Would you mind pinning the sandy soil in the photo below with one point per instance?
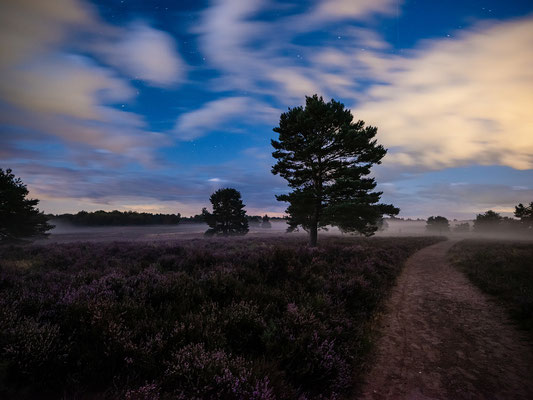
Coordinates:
(444, 339)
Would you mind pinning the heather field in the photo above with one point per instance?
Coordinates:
(503, 269)
(248, 318)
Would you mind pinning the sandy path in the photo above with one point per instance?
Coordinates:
(444, 339)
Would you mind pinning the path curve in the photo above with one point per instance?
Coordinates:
(444, 339)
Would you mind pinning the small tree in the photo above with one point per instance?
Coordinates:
(326, 157)
(525, 213)
(18, 216)
(489, 221)
(438, 224)
(229, 216)
(266, 222)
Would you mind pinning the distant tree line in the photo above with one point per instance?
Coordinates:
(492, 221)
(253, 220)
(118, 218)
(489, 222)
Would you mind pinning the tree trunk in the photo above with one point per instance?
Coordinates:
(313, 229)
(313, 234)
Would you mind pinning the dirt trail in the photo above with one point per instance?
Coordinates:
(444, 339)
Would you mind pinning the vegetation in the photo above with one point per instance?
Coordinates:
(229, 216)
(438, 224)
(461, 228)
(502, 269)
(118, 218)
(488, 221)
(326, 158)
(492, 222)
(19, 217)
(525, 214)
(203, 319)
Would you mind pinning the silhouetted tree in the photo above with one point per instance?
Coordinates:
(525, 213)
(437, 224)
(18, 216)
(266, 222)
(325, 156)
(489, 221)
(229, 216)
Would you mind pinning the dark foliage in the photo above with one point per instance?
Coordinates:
(229, 216)
(488, 221)
(326, 158)
(492, 222)
(204, 319)
(502, 269)
(118, 218)
(438, 224)
(19, 217)
(525, 214)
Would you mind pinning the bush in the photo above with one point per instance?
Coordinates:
(503, 270)
(255, 318)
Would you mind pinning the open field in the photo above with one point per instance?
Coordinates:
(255, 318)
(503, 269)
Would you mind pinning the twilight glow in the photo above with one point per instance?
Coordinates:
(151, 106)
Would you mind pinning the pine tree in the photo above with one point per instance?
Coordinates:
(229, 216)
(18, 216)
(326, 158)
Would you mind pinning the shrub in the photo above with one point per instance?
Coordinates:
(248, 318)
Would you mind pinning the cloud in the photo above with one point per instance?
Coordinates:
(449, 102)
(30, 27)
(261, 57)
(61, 93)
(454, 102)
(334, 10)
(217, 115)
(355, 9)
(146, 54)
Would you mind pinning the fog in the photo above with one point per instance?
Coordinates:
(64, 233)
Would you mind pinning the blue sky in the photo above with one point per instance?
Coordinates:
(153, 105)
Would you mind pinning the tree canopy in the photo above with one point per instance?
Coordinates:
(488, 221)
(326, 157)
(525, 213)
(19, 217)
(438, 224)
(229, 216)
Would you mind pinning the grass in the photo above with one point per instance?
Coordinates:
(503, 270)
(243, 318)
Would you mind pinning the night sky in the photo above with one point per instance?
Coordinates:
(153, 105)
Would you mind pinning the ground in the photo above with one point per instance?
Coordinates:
(441, 338)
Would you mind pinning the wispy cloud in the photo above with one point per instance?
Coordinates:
(463, 99)
(145, 53)
(222, 115)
